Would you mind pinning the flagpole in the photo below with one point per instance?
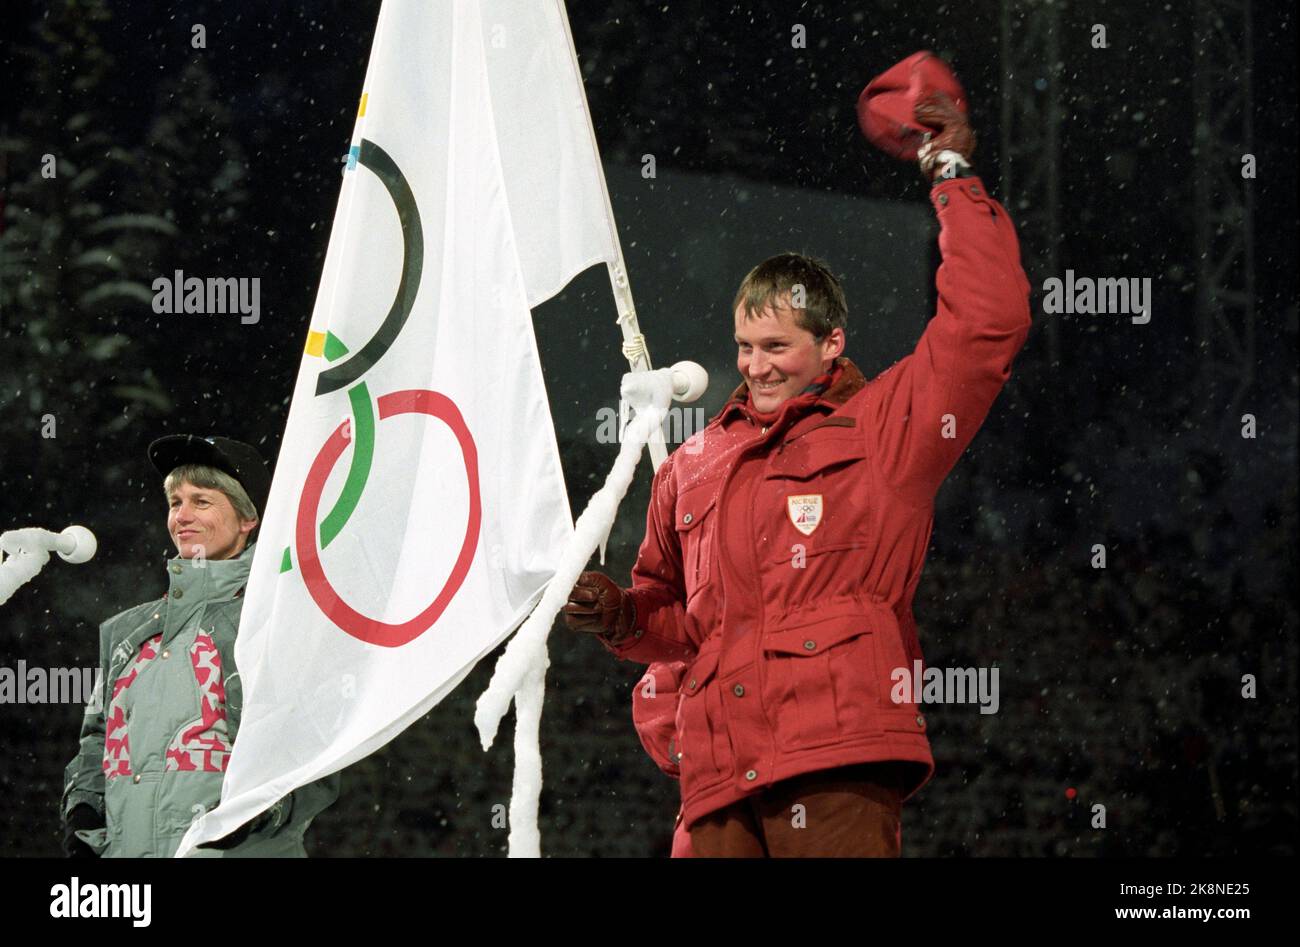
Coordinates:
(634, 344)
(520, 674)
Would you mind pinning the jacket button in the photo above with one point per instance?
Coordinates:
(752, 775)
(166, 654)
(691, 685)
(810, 646)
(943, 198)
(155, 615)
(135, 778)
(739, 690)
(176, 568)
(638, 633)
(679, 756)
(920, 721)
(687, 519)
(974, 189)
(177, 593)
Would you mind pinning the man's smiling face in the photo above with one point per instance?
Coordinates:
(777, 357)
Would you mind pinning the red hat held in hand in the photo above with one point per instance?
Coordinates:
(887, 106)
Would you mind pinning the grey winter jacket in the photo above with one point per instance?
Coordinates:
(158, 732)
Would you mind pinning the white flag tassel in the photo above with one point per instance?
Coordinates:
(521, 670)
(418, 508)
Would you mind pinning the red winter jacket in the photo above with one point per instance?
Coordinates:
(654, 713)
(781, 561)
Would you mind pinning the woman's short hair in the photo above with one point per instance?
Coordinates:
(210, 478)
(777, 277)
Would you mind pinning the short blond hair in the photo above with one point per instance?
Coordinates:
(210, 478)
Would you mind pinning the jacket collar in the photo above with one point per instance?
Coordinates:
(190, 586)
(208, 580)
(845, 382)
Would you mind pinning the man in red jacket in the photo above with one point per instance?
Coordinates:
(785, 541)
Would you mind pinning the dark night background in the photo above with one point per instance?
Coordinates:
(1123, 684)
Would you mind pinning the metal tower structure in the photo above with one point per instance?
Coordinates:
(1224, 202)
(1030, 146)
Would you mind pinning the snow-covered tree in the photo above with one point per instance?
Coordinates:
(74, 252)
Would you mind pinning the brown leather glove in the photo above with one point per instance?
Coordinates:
(949, 150)
(599, 607)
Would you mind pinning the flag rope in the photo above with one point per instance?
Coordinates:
(521, 671)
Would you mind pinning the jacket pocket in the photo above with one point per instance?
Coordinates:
(131, 809)
(184, 796)
(820, 682)
(815, 454)
(703, 745)
(696, 527)
(817, 493)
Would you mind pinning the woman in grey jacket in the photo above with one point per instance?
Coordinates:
(157, 736)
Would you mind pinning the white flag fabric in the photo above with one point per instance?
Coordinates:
(418, 504)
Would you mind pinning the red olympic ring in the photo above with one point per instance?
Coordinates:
(343, 615)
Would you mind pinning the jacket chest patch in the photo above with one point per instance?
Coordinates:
(805, 511)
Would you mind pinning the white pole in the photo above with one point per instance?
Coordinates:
(634, 347)
(520, 674)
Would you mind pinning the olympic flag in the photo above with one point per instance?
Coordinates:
(418, 504)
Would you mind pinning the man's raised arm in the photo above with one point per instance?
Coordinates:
(929, 405)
